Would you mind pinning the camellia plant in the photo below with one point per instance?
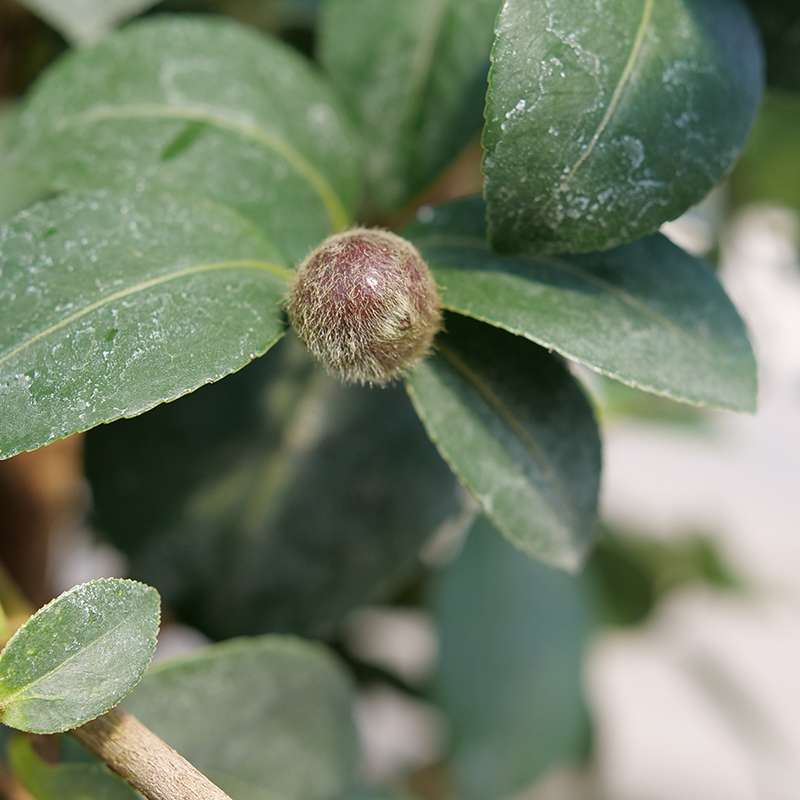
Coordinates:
(180, 195)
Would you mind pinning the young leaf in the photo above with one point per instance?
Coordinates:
(512, 635)
(515, 427)
(113, 304)
(83, 21)
(647, 314)
(262, 718)
(414, 73)
(79, 656)
(202, 104)
(310, 497)
(64, 781)
(605, 120)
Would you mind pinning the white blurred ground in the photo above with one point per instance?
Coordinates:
(704, 702)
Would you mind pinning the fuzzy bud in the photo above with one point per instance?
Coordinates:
(365, 304)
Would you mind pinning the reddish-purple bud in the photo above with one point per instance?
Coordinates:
(365, 304)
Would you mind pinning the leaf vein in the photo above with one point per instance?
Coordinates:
(616, 97)
(275, 269)
(339, 217)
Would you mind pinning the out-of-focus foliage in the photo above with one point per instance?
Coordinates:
(770, 169)
(264, 718)
(779, 21)
(509, 678)
(81, 781)
(275, 500)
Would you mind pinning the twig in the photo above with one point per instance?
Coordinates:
(146, 762)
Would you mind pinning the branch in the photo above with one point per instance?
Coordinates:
(146, 762)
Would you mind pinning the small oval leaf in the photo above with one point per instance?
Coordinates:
(606, 119)
(79, 656)
(518, 431)
(113, 304)
(647, 314)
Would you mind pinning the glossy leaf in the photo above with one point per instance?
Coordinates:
(79, 656)
(281, 711)
(83, 21)
(512, 634)
(516, 428)
(45, 781)
(203, 104)
(309, 497)
(647, 314)
(113, 304)
(414, 75)
(605, 120)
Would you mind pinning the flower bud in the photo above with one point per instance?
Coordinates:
(365, 304)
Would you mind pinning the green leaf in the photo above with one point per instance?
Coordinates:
(515, 427)
(82, 21)
(265, 719)
(512, 636)
(414, 75)
(202, 104)
(647, 314)
(79, 656)
(309, 497)
(606, 120)
(113, 304)
(64, 781)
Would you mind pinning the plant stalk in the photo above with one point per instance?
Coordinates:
(146, 762)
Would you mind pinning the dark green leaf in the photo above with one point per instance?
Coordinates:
(265, 719)
(83, 21)
(113, 304)
(308, 497)
(64, 781)
(414, 74)
(272, 144)
(647, 314)
(605, 120)
(516, 428)
(79, 656)
(509, 678)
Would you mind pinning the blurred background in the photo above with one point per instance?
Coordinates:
(669, 669)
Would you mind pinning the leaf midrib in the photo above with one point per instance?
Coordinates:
(275, 269)
(560, 264)
(5, 701)
(495, 404)
(337, 214)
(616, 97)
